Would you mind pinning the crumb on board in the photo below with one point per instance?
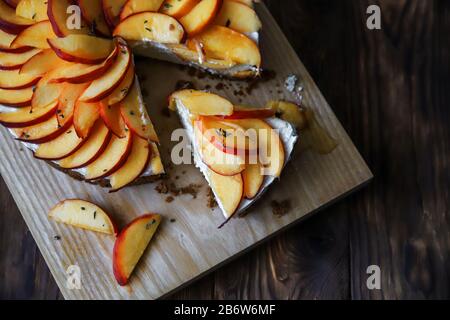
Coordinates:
(173, 220)
(57, 237)
(280, 208)
(170, 199)
(212, 203)
(191, 189)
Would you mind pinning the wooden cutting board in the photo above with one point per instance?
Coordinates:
(190, 246)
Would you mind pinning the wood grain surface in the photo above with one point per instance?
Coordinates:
(389, 89)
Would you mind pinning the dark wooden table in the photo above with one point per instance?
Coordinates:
(391, 90)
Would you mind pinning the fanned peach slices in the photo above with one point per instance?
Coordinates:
(239, 150)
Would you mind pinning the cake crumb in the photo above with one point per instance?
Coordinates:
(170, 199)
(162, 188)
(173, 220)
(212, 203)
(280, 208)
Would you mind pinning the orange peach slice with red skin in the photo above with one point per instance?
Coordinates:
(5, 43)
(201, 103)
(82, 48)
(63, 146)
(131, 244)
(85, 215)
(57, 14)
(111, 10)
(239, 17)
(229, 190)
(25, 117)
(112, 119)
(42, 132)
(12, 61)
(10, 22)
(46, 92)
(35, 36)
(91, 149)
(67, 99)
(112, 158)
(85, 115)
(136, 163)
(17, 97)
(202, 15)
(109, 81)
(135, 6)
(178, 8)
(253, 180)
(122, 89)
(35, 10)
(42, 63)
(92, 12)
(150, 26)
(12, 79)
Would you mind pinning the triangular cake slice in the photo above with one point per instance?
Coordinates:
(241, 151)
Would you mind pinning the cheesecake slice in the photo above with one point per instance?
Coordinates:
(241, 151)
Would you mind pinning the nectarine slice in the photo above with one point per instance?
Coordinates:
(11, 61)
(46, 92)
(229, 191)
(41, 63)
(253, 180)
(67, 99)
(226, 44)
(59, 18)
(84, 117)
(201, 103)
(178, 8)
(42, 132)
(82, 48)
(5, 43)
(131, 244)
(200, 16)
(35, 36)
(25, 117)
(111, 10)
(12, 79)
(63, 146)
(35, 10)
(16, 97)
(91, 149)
(10, 22)
(135, 115)
(122, 89)
(112, 119)
(134, 166)
(150, 26)
(250, 113)
(109, 81)
(111, 159)
(92, 12)
(85, 215)
(239, 17)
(135, 6)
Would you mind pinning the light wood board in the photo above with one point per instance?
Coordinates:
(192, 245)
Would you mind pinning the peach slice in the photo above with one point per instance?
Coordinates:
(253, 180)
(35, 36)
(63, 146)
(150, 26)
(35, 10)
(66, 101)
(82, 73)
(122, 89)
(11, 61)
(109, 81)
(10, 22)
(112, 119)
(201, 103)
(131, 244)
(25, 117)
(94, 146)
(85, 215)
(41, 63)
(5, 43)
(46, 92)
(42, 132)
(133, 112)
(226, 44)
(200, 16)
(239, 17)
(135, 6)
(112, 158)
(82, 48)
(12, 79)
(58, 16)
(134, 166)
(218, 161)
(178, 8)
(111, 10)
(16, 98)
(229, 191)
(85, 116)
(250, 113)
(92, 12)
